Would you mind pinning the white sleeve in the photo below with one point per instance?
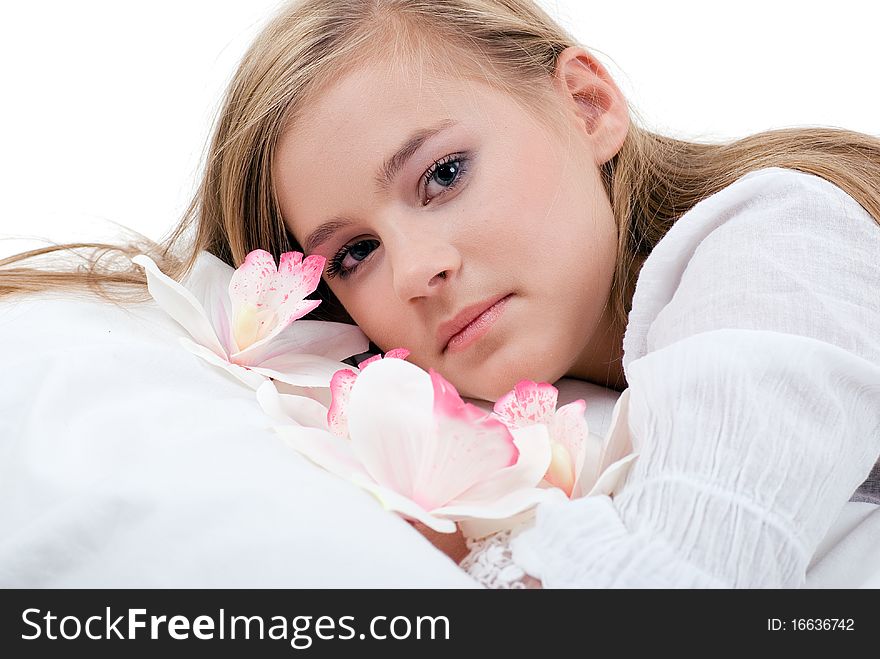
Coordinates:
(755, 413)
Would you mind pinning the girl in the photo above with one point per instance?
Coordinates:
(485, 198)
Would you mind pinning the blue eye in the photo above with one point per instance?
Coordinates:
(447, 172)
(347, 259)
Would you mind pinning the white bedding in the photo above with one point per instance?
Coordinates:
(126, 461)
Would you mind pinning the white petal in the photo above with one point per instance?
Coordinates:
(475, 527)
(314, 337)
(208, 281)
(302, 370)
(613, 476)
(507, 506)
(287, 409)
(394, 502)
(181, 305)
(325, 450)
(320, 394)
(390, 422)
(618, 441)
(591, 467)
(250, 377)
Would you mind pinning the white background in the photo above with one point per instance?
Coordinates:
(106, 106)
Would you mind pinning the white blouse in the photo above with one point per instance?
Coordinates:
(752, 356)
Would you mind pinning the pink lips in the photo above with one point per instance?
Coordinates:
(471, 323)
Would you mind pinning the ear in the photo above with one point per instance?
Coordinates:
(597, 105)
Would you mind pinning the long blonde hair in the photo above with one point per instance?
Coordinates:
(509, 44)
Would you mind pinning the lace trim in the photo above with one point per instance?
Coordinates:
(490, 562)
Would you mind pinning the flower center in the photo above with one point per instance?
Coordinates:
(561, 470)
(252, 324)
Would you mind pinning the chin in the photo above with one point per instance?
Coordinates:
(491, 384)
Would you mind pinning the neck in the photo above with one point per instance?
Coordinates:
(601, 361)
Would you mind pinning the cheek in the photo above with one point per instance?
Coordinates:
(375, 309)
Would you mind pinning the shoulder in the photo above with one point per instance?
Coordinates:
(777, 250)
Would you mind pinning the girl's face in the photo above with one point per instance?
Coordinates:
(456, 225)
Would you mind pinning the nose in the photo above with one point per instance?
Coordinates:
(423, 265)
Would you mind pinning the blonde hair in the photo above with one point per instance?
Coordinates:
(512, 45)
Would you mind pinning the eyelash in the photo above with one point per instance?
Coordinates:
(335, 267)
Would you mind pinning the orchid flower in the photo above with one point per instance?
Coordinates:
(242, 320)
(340, 390)
(580, 459)
(420, 449)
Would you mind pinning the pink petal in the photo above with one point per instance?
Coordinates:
(257, 284)
(252, 278)
(429, 457)
(396, 353)
(448, 404)
(296, 278)
(533, 444)
(340, 389)
(528, 403)
(369, 361)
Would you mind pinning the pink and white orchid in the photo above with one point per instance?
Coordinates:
(582, 463)
(340, 390)
(242, 320)
(420, 449)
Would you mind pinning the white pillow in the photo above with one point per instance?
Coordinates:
(125, 461)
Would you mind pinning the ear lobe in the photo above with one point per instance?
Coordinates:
(598, 105)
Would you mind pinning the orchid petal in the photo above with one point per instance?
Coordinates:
(181, 305)
(340, 389)
(264, 326)
(302, 370)
(390, 423)
(337, 456)
(449, 406)
(529, 402)
(266, 298)
(481, 527)
(395, 353)
(208, 281)
(502, 508)
(396, 502)
(470, 445)
(325, 450)
(533, 444)
(319, 394)
(314, 337)
(590, 469)
(618, 442)
(613, 477)
(287, 409)
(249, 376)
(569, 430)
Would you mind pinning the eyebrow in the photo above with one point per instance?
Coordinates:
(384, 178)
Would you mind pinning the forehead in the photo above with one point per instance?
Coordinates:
(378, 105)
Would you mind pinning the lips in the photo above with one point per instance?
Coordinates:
(470, 323)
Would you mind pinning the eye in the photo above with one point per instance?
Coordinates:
(347, 259)
(447, 173)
